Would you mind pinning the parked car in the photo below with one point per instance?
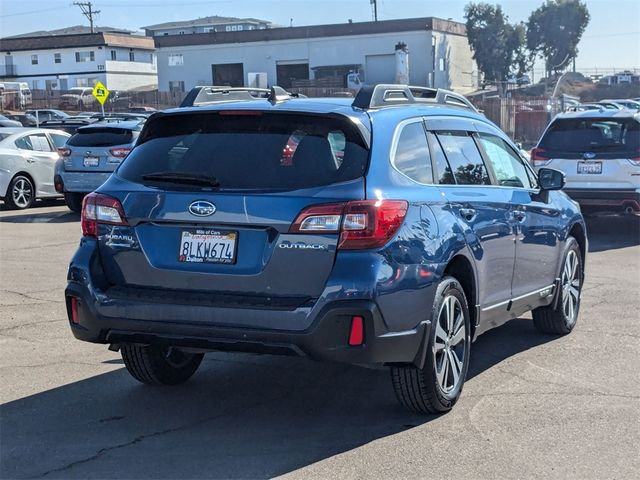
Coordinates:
(608, 105)
(626, 103)
(599, 152)
(24, 119)
(403, 226)
(581, 107)
(42, 115)
(77, 98)
(89, 157)
(69, 125)
(27, 163)
(21, 93)
(7, 122)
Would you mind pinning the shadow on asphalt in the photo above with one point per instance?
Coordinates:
(241, 416)
(34, 216)
(613, 232)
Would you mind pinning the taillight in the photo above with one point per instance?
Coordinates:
(635, 160)
(371, 223)
(64, 151)
(539, 157)
(98, 208)
(119, 152)
(362, 224)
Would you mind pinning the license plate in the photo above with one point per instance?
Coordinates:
(590, 168)
(205, 245)
(91, 161)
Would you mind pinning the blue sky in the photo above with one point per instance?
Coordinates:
(612, 39)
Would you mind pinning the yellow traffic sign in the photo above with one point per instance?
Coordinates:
(100, 92)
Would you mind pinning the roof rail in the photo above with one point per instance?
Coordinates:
(203, 95)
(386, 95)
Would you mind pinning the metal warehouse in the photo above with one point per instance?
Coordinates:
(439, 55)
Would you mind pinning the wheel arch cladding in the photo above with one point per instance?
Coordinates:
(460, 267)
(578, 232)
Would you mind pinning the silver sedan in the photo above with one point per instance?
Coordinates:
(27, 164)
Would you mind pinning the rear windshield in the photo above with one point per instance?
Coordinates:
(580, 135)
(250, 151)
(102, 137)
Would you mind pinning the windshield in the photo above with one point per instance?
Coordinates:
(592, 134)
(250, 150)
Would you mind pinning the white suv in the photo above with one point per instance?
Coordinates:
(599, 152)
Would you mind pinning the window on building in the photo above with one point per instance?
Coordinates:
(441, 64)
(176, 60)
(85, 56)
(57, 58)
(82, 82)
(412, 154)
(34, 59)
(227, 28)
(208, 29)
(176, 86)
(240, 28)
(132, 56)
(113, 55)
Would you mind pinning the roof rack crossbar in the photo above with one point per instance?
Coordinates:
(385, 95)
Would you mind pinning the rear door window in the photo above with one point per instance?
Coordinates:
(507, 166)
(249, 150)
(464, 157)
(598, 135)
(444, 175)
(101, 137)
(411, 156)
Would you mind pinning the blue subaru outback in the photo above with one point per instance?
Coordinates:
(387, 230)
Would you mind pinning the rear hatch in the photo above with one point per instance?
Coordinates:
(210, 198)
(599, 152)
(98, 148)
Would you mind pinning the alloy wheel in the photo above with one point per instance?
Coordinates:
(22, 192)
(571, 287)
(450, 345)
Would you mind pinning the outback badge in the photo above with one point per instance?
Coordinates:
(202, 208)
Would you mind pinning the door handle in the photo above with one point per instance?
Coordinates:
(467, 213)
(31, 160)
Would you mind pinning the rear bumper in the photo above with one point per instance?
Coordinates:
(105, 318)
(82, 182)
(619, 200)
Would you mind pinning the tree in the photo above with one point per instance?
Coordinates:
(554, 30)
(498, 47)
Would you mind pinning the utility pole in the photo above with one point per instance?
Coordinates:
(375, 10)
(87, 11)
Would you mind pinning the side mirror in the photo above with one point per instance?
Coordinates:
(550, 179)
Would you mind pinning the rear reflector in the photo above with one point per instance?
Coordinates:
(74, 309)
(356, 334)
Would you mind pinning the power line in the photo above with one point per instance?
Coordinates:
(87, 11)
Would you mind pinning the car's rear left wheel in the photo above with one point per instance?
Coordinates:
(74, 201)
(436, 387)
(159, 365)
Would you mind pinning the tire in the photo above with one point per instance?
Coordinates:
(435, 388)
(156, 365)
(21, 193)
(561, 316)
(74, 201)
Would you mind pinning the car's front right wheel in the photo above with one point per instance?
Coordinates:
(159, 365)
(436, 387)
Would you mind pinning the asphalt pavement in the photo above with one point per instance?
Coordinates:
(533, 406)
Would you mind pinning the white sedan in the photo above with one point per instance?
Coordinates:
(27, 164)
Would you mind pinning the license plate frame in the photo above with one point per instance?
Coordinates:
(589, 168)
(213, 237)
(91, 161)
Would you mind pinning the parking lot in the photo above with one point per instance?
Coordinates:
(533, 405)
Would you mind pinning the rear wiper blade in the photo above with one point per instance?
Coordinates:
(182, 178)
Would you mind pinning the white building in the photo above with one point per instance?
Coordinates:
(439, 54)
(119, 60)
(206, 25)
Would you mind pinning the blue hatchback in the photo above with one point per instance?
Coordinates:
(390, 230)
